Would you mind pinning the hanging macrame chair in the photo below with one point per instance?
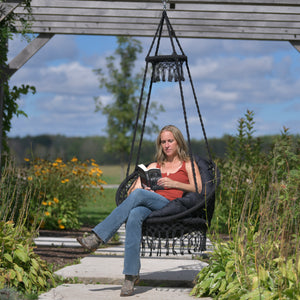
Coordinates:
(184, 221)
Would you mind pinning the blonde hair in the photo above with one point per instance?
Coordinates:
(182, 148)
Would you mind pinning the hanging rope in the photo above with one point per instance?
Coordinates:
(166, 68)
(191, 223)
(165, 5)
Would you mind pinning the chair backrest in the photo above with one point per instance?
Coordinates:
(122, 191)
(192, 203)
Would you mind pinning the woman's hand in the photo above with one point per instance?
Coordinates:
(167, 182)
(147, 188)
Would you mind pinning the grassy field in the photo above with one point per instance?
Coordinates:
(98, 207)
(112, 174)
(95, 210)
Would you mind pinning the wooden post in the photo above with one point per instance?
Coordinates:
(3, 78)
(1, 117)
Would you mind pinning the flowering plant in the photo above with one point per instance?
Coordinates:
(63, 189)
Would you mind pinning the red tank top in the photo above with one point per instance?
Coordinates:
(181, 176)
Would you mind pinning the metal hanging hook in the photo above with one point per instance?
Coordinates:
(165, 4)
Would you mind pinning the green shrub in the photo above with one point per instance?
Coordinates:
(63, 189)
(20, 267)
(259, 198)
(244, 174)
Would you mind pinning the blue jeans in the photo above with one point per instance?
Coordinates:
(133, 210)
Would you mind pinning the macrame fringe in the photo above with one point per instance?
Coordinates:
(188, 243)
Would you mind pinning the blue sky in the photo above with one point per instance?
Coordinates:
(230, 77)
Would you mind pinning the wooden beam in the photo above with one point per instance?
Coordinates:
(28, 52)
(231, 19)
(7, 7)
(256, 2)
(296, 44)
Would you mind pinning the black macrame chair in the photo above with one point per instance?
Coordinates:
(184, 220)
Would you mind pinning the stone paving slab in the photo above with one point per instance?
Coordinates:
(100, 276)
(154, 271)
(112, 292)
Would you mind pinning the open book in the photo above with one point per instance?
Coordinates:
(149, 177)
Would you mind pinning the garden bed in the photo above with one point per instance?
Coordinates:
(62, 256)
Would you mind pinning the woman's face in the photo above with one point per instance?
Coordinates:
(168, 143)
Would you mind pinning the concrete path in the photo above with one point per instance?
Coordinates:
(99, 276)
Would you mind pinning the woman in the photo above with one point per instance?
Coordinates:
(177, 177)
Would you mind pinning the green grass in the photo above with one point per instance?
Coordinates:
(99, 206)
(97, 209)
(113, 174)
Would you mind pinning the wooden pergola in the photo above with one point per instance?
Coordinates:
(277, 20)
(218, 19)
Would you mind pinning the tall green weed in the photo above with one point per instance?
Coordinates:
(20, 267)
(260, 207)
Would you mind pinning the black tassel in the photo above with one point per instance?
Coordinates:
(143, 247)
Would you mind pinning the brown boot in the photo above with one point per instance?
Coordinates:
(91, 242)
(128, 285)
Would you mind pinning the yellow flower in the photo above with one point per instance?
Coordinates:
(55, 200)
(58, 160)
(94, 182)
(61, 226)
(74, 172)
(44, 203)
(65, 180)
(26, 159)
(47, 213)
(55, 164)
(30, 178)
(74, 159)
(49, 203)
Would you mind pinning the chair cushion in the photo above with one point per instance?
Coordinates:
(190, 199)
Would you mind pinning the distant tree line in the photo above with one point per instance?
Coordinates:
(51, 147)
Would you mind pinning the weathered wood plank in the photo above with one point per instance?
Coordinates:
(28, 52)
(94, 21)
(218, 22)
(296, 44)
(257, 2)
(251, 19)
(172, 14)
(181, 27)
(182, 34)
(7, 7)
(59, 6)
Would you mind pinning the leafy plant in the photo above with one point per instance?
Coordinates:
(244, 174)
(262, 201)
(9, 96)
(20, 267)
(63, 189)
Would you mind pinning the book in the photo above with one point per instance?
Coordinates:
(149, 177)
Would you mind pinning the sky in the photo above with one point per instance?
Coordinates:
(230, 77)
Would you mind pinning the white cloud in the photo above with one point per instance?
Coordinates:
(67, 78)
(229, 78)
